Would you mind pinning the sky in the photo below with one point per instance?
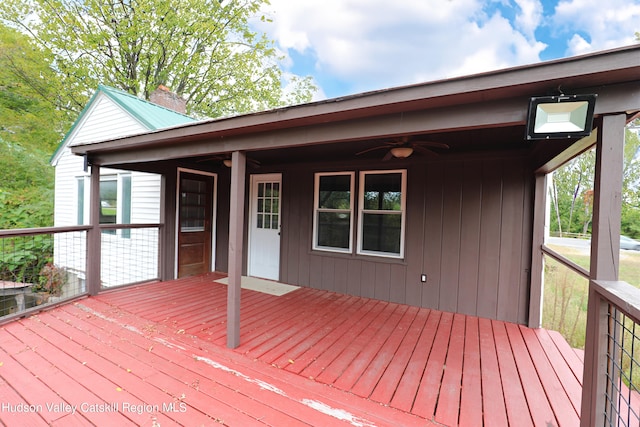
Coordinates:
(353, 46)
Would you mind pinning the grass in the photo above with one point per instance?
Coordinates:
(565, 304)
(565, 293)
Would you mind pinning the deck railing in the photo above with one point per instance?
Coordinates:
(35, 267)
(129, 254)
(614, 398)
(43, 266)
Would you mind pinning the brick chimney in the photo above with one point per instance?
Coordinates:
(165, 98)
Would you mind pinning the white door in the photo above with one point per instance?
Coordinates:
(264, 228)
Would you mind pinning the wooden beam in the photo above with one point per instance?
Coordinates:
(574, 150)
(94, 244)
(605, 255)
(236, 232)
(537, 259)
(168, 230)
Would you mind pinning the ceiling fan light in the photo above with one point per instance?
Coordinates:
(401, 152)
(227, 162)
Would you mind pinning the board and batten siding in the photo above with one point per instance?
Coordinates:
(468, 228)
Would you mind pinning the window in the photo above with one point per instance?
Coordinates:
(108, 200)
(333, 212)
(193, 205)
(268, 209)
(115, 201)
(80, 200)
(381, 213)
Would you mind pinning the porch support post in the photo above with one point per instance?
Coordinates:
(94, 249)
(537, 260)
(167, 231)
(605, 256)
(236, 233)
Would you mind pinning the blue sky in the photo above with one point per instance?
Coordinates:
(352, 46)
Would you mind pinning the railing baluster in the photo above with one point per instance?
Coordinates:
(621, 329)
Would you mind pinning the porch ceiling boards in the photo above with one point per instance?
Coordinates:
(309, 357)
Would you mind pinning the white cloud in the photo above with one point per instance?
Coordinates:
(529, 17)
(591, 25)
(367, 45)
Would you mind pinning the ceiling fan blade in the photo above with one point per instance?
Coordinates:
(372, 149)
(432, 144)
(387, 156)
(425, 151)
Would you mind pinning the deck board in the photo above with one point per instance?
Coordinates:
(471, 394)
(493, 401)
(537, 401)
(309, 357)
(513, 392)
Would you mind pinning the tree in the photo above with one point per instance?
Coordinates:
(570, 194)
(30, 129)
(572, 191)
(204, 50)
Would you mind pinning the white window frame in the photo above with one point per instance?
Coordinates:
(118, 177)
(317, 210)
(362, 211)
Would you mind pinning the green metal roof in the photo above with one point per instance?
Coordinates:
(150, 115)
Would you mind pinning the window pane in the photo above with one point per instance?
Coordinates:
(126, 204)
(381, 232)
(108, 201)
(383, 191)
(335, 192)
(333, 229)
(192, 205)
(80, 207)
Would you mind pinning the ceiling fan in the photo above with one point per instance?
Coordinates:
(403, 148)
(226, 160)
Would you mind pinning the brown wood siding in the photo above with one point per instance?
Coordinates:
(468, 228)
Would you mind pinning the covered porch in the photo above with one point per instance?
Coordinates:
(456, 228)
(155, 354)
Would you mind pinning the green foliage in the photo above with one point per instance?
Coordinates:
(204, 50)
(23, 258)
(30, 129)
(572, 192)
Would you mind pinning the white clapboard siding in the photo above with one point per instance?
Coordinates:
(124, 260)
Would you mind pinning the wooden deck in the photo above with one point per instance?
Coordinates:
(155, 355)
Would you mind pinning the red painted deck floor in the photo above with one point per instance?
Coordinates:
(155, 355)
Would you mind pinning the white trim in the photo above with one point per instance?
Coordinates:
(252, 180)
(402, 212)
(214, 216)
(316, 210)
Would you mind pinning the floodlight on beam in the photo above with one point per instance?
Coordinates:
(562, 116)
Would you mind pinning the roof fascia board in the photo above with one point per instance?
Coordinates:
(613, 99)
(500, 113)
(525, 81)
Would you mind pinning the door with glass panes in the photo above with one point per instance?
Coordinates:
(195, 217)
(264, 228)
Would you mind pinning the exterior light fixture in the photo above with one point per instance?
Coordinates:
(227, 162)
(401, 152)
(561, 116)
